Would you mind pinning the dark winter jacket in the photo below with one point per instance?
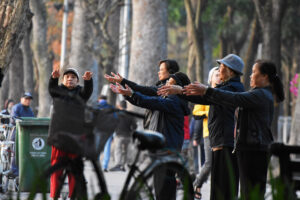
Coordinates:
(255, 116)
(221, 120)
(149, 91)
(172, 110)
(68, 112)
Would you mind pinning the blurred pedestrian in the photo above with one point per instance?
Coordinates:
(9, 103)
(103, 104)
(213, 80)
(126, 125)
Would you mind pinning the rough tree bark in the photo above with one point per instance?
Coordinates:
(81, 56)
(41, 55)
(270, 14)
(295, 128)
(4, 90)
(195, 35)
(15, 17)
(251, 52)
(27, 63)
(16, 77)
(149, 40)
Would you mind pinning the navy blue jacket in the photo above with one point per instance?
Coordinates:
(172, 110)
(221, 119)
(149, 91)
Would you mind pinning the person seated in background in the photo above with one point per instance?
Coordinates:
(126, 126)
(21, 109)
(9, 103)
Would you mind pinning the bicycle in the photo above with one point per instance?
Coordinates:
(139, 183)
(6, 155)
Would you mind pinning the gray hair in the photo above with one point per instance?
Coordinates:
(211, 72)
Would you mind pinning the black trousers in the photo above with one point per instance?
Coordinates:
(253, 167)
(224, 175)
(165, 184)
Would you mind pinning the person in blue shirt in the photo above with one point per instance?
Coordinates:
(21, 109)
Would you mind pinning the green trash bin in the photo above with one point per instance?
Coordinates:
(32, 152)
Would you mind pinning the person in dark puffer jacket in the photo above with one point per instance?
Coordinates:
(62, 121)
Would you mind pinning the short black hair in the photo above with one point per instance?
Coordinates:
(181, 78)
(171, 65)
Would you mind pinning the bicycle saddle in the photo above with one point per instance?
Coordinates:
(149, 140)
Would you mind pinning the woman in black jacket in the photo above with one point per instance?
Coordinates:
(253, 131)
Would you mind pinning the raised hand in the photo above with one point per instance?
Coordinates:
(195, 88)
(114, 78)
(169, 89)
(55, 73)
(119, 89)
(87, 75)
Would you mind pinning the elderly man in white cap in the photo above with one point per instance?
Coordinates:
(221, 123)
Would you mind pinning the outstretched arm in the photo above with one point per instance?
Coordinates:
(117, 78)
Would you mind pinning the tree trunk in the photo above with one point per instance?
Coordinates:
(270, 14)
(149, 40)
(295, 128)
(27, 63)
(81, 56)
(4, 90)
(15, 17)
(41, 55)
(251, 52)
(16, 77)
(196, 34)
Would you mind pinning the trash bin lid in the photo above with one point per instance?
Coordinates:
(33, 121)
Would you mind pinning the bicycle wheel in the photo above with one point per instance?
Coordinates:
(145, 186)
(80, 190)
(65, 166)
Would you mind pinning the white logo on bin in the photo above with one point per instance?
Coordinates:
(38, 143)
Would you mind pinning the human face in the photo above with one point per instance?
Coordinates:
(70, 80)
(163, 72)
(215, 79)
(257, 79)
(225, 73)
(25, 101)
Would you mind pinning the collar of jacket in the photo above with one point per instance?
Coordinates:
(63, 86)
(162, 82)
(233, 79)
(267, 88)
